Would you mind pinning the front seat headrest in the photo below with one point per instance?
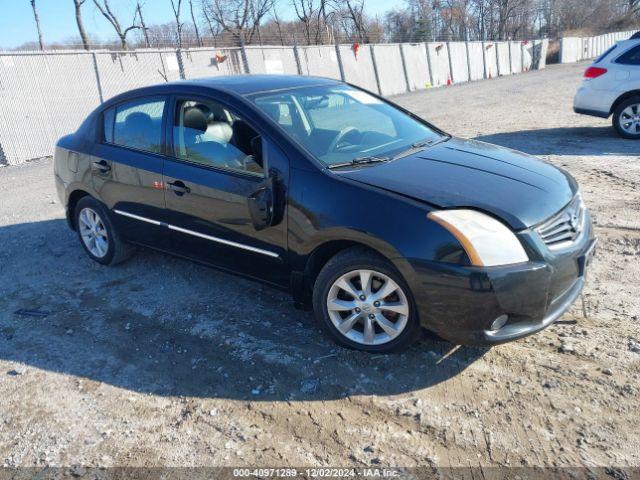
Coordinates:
(195, 119)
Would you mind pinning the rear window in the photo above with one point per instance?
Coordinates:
(136, 124)
(631, 57)
(602, 57)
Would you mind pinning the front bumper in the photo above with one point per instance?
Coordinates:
(461, 303)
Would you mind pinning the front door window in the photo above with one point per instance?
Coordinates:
(207, 134)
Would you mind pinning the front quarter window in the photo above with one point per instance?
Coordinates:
(339, 123)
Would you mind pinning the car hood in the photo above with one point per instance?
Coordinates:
(514, 186)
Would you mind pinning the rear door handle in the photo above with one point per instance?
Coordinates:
(178, 188)
(102, 166)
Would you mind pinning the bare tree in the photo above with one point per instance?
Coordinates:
(306, 11)
(106, 11)
(179, 25)
(241, 18)
(355, 9)
(276, 20)
(83, 34)
(37, 19)
(195, 24)
(214, 31)
(143, 26)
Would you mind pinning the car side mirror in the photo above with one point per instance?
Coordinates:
(261, 205)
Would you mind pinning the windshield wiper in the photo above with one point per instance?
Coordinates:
(421, 145)
(359, 161)
(424, 143)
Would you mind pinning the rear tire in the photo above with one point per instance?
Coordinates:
(379, 316)
(626, 118)
(97, 234)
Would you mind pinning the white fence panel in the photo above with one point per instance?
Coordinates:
(574, 49)
(490, 59)
(504, 62)
(458, 61)
(539, 53)
(207, 62)
(438, 55)
(476, 60)
(36, 111)
(358, 66)
(273, 60)
(527, 56)
(515, 52)
(122, 71)
(390, 69)
(570, 49)
(417, 64)
(321, 61)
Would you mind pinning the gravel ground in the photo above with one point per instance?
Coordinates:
(161, 362)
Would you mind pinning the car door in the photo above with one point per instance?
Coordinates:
(224, 191)
(127, 163)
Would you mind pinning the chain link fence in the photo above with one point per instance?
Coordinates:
(45, 95)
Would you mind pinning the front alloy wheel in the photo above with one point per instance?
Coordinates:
(363, 302)
(367, 307)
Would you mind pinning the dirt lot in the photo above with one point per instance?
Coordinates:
(164, 362)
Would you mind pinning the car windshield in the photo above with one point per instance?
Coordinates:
(339, 124)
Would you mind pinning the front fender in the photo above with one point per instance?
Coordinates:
(325, 208)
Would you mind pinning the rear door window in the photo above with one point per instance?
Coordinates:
(136, 124)
(631, 57)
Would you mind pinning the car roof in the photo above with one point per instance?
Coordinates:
(235, 84)
(250, 84)
(617, 49)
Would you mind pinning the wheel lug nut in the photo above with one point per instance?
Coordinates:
(357, 310)
(363, 298)
(372, 316)
(376, 304)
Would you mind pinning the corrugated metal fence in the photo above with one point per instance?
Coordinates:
(45, 95)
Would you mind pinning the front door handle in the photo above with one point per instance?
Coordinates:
(102, 166)
(178, 188)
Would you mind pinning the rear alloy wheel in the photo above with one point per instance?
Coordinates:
(364, 303)
(93, 232)
(97, 233)
(626, 118)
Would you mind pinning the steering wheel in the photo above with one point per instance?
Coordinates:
(341, 136)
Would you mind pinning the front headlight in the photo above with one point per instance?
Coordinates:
(487, 241)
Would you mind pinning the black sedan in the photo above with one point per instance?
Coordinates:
(372, 216)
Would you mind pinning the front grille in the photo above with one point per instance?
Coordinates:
(561, 230)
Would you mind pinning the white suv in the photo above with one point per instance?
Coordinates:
(612, 86)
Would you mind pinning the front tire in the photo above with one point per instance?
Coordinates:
(626, 118)
(363, 303)
(97, 233)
